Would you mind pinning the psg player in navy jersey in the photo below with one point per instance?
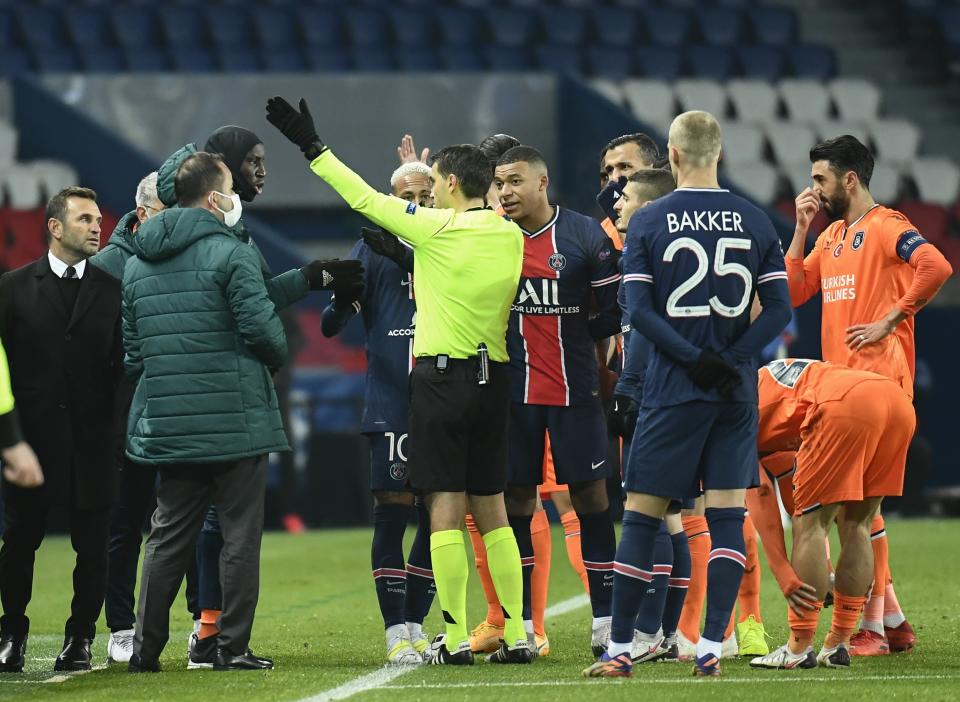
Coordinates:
(569, 268)
(695, 261)
(388, 310)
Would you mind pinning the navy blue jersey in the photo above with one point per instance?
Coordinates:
(389, 317)
(636, 353)
(569, 271)
(695, 259)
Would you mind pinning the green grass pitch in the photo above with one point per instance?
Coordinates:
(318, 618)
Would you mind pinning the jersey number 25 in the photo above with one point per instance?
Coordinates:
(721, 267)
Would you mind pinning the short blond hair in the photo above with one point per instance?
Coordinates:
(697, 135)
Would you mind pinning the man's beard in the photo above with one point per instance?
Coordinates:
(836, 206)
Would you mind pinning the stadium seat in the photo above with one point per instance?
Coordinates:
(372, 58)
(413, 28)
(232, 29)
(742, 143)
(56, 58)
(23, 229)
(455, 58)
(148, 59)
(279, 59)
(895, 140)
(326, 59)
(776, 26)
(754, 101)
(183, 28)
(652, 101)
(40, 27)
(807, 61)
(563, 26)
(506, 58)
(720, 26)
(790, 142)
(610, 62)
(667, 27)
(566, 60)
(761, 62)
(458, 26)
(856, 99)
(274, 28)
(14, 62)
(53, 176)
(656, 62)
(885, 182)
(134, 26)
(9, 143)
(931, 220)
(833, 128)
(88, 26)
(22, 188)
(102, 59)
(8, 31)
(697, 94)
(711, 62)
(511, 27)
(756, 180)
(366, 27)
(239, 60)
(321, 27)
(806, 100)
(615, 26)
(797, 174)
(610, 89)
(199, 60)
(417, 59)
(937, 179)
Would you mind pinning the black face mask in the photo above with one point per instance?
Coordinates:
(233, 144)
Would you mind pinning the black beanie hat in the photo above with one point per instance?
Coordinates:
(233, 144)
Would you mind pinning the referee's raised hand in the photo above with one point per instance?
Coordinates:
(296, 125)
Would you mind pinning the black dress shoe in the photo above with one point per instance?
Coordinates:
(146, 665)
(75, 654)
(248, 661)
(12, 652)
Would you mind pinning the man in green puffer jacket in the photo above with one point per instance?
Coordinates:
(201, 335)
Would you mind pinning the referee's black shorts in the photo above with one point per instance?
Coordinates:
(458, 428)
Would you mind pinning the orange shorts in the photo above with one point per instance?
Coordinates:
(854, 448)
(549, 484)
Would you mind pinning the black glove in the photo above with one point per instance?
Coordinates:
(345, 296)
(622, 417)
(385, 244)
(712, 371)
(333, 275)
(296, 126)
(609, 195)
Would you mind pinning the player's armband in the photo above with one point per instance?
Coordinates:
(908, 243)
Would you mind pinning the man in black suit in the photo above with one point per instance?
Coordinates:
(60, 325)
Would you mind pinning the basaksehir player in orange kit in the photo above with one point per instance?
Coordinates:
(875, 271)
(851, 430)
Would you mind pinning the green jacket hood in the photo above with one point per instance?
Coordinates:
(123, 233)
(167, 173)
(174, 230)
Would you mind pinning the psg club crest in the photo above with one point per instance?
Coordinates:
(398, 471)
(857, 241)
(837, 251)
(557, 262)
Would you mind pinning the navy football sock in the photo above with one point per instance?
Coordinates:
(386, 557)
(632, 572)
(650, 617)
(724, 568)
(421, 588)
(598, 546)
(209, 545)
(679, 582)
(521, 531)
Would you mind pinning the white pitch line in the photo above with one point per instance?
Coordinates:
(380, 677)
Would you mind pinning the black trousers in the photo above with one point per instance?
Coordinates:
(184, 496)
(136, 503)
(25, 526)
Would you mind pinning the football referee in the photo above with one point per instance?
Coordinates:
(467, 264)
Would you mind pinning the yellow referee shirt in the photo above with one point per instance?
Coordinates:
(466, 268)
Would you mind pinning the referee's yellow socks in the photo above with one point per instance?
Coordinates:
(503, 559)
(450, 574)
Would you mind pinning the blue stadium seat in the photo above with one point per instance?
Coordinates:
(7, 28)
(559, 59)
(321, 27)
(231, 29)
(563, 26)
(102, 59)
(511, 26)
(148, 58)
(274, 28)
(506, 58)
(765, 62)
(283, 59)
(88, 26)
(615, 26)
(712, 62)
(412, 27)
(667, 27)
(327, 59)
(458, 26)
(134, 27)
(417, 59)
(659, 62)
(56, 58)
(184, 27)
(720, 27)
(811, 61)
(239, 60)
(738, 4)
(633, 4)
(613, 62)
(193, 60)
(776, 26)
(14, 62)
(366, 27)
(949, 20)
(373, 58)
(460, 58)
(40, 27)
